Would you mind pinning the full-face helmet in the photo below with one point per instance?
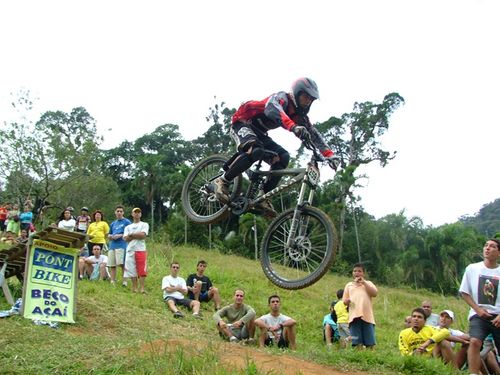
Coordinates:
(304, 85)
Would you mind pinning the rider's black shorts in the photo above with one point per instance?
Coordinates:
(243, 135)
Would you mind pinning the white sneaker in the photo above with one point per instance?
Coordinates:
(233, 339)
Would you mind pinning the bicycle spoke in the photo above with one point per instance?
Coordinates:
(308, 256)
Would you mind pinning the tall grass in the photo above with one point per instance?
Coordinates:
(119, 332)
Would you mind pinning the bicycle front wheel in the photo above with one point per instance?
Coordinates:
(310, 255)
(198, 199)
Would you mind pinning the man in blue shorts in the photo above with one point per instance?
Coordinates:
(200, 287)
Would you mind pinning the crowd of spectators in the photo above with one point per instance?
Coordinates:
(14, 224)
(350, 321)
(428, 334)
(120, 244)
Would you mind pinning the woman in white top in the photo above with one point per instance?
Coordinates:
(66, 221)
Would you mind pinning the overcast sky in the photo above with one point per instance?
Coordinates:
(135, 65)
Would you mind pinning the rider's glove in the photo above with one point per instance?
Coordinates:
(333, 161)
(301, 132)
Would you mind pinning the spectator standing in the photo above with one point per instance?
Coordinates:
(13, 225)
(358, 296)
(83, 221)
(239, 323)
(26, 218)
(200, 287)
(342, 313)
(66, 221)
(136, 258)
(117, 245)
(479, 289)
(174, 291)
(431, 318)
(98, 231)
(3, 218)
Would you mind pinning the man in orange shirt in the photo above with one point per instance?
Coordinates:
(358, 296)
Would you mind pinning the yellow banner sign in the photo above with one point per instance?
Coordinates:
(50, 279)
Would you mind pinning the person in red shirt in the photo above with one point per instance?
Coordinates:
(3, 217)
(249, 128)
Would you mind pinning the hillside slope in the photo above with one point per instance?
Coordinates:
(117, 331)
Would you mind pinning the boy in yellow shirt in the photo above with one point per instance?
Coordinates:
(342, 319)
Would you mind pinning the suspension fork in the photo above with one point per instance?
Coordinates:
(297, 212)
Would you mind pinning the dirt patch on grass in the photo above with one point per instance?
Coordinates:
(235, 356)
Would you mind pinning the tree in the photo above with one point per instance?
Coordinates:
(355, 140)
(216, 139)
(59, 150)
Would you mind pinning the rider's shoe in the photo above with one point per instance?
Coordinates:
(267, 209)
(221, 190)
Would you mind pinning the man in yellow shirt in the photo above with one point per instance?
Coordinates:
(421, 339)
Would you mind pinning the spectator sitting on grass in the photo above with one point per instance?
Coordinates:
(275, 327)
(174, 291)
(330, 329)
(200, 287)
(9, 238)
(446, 318)
(431, 318)
(422, 339)
(23, 237)
(407, 323)
(95, 266)
(239, 317)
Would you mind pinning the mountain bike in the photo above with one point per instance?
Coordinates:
(300, 244)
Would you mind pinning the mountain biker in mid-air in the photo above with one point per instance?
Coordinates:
(249, 128)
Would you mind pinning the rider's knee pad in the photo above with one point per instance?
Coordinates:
(257, 153)
(283, 162)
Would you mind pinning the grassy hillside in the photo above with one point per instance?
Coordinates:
(119, 332)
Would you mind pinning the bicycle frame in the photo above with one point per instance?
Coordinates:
(300, 175)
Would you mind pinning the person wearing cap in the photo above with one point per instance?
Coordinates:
(479, 289)
(136, 257)
(446, 318)
(83, 221)
(422, 339)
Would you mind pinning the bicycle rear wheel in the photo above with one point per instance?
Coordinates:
(198, 199)
(310, 255)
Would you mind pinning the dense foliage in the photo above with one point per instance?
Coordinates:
(487, 220)
(57, 161)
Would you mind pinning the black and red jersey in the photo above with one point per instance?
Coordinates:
(277, 110)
